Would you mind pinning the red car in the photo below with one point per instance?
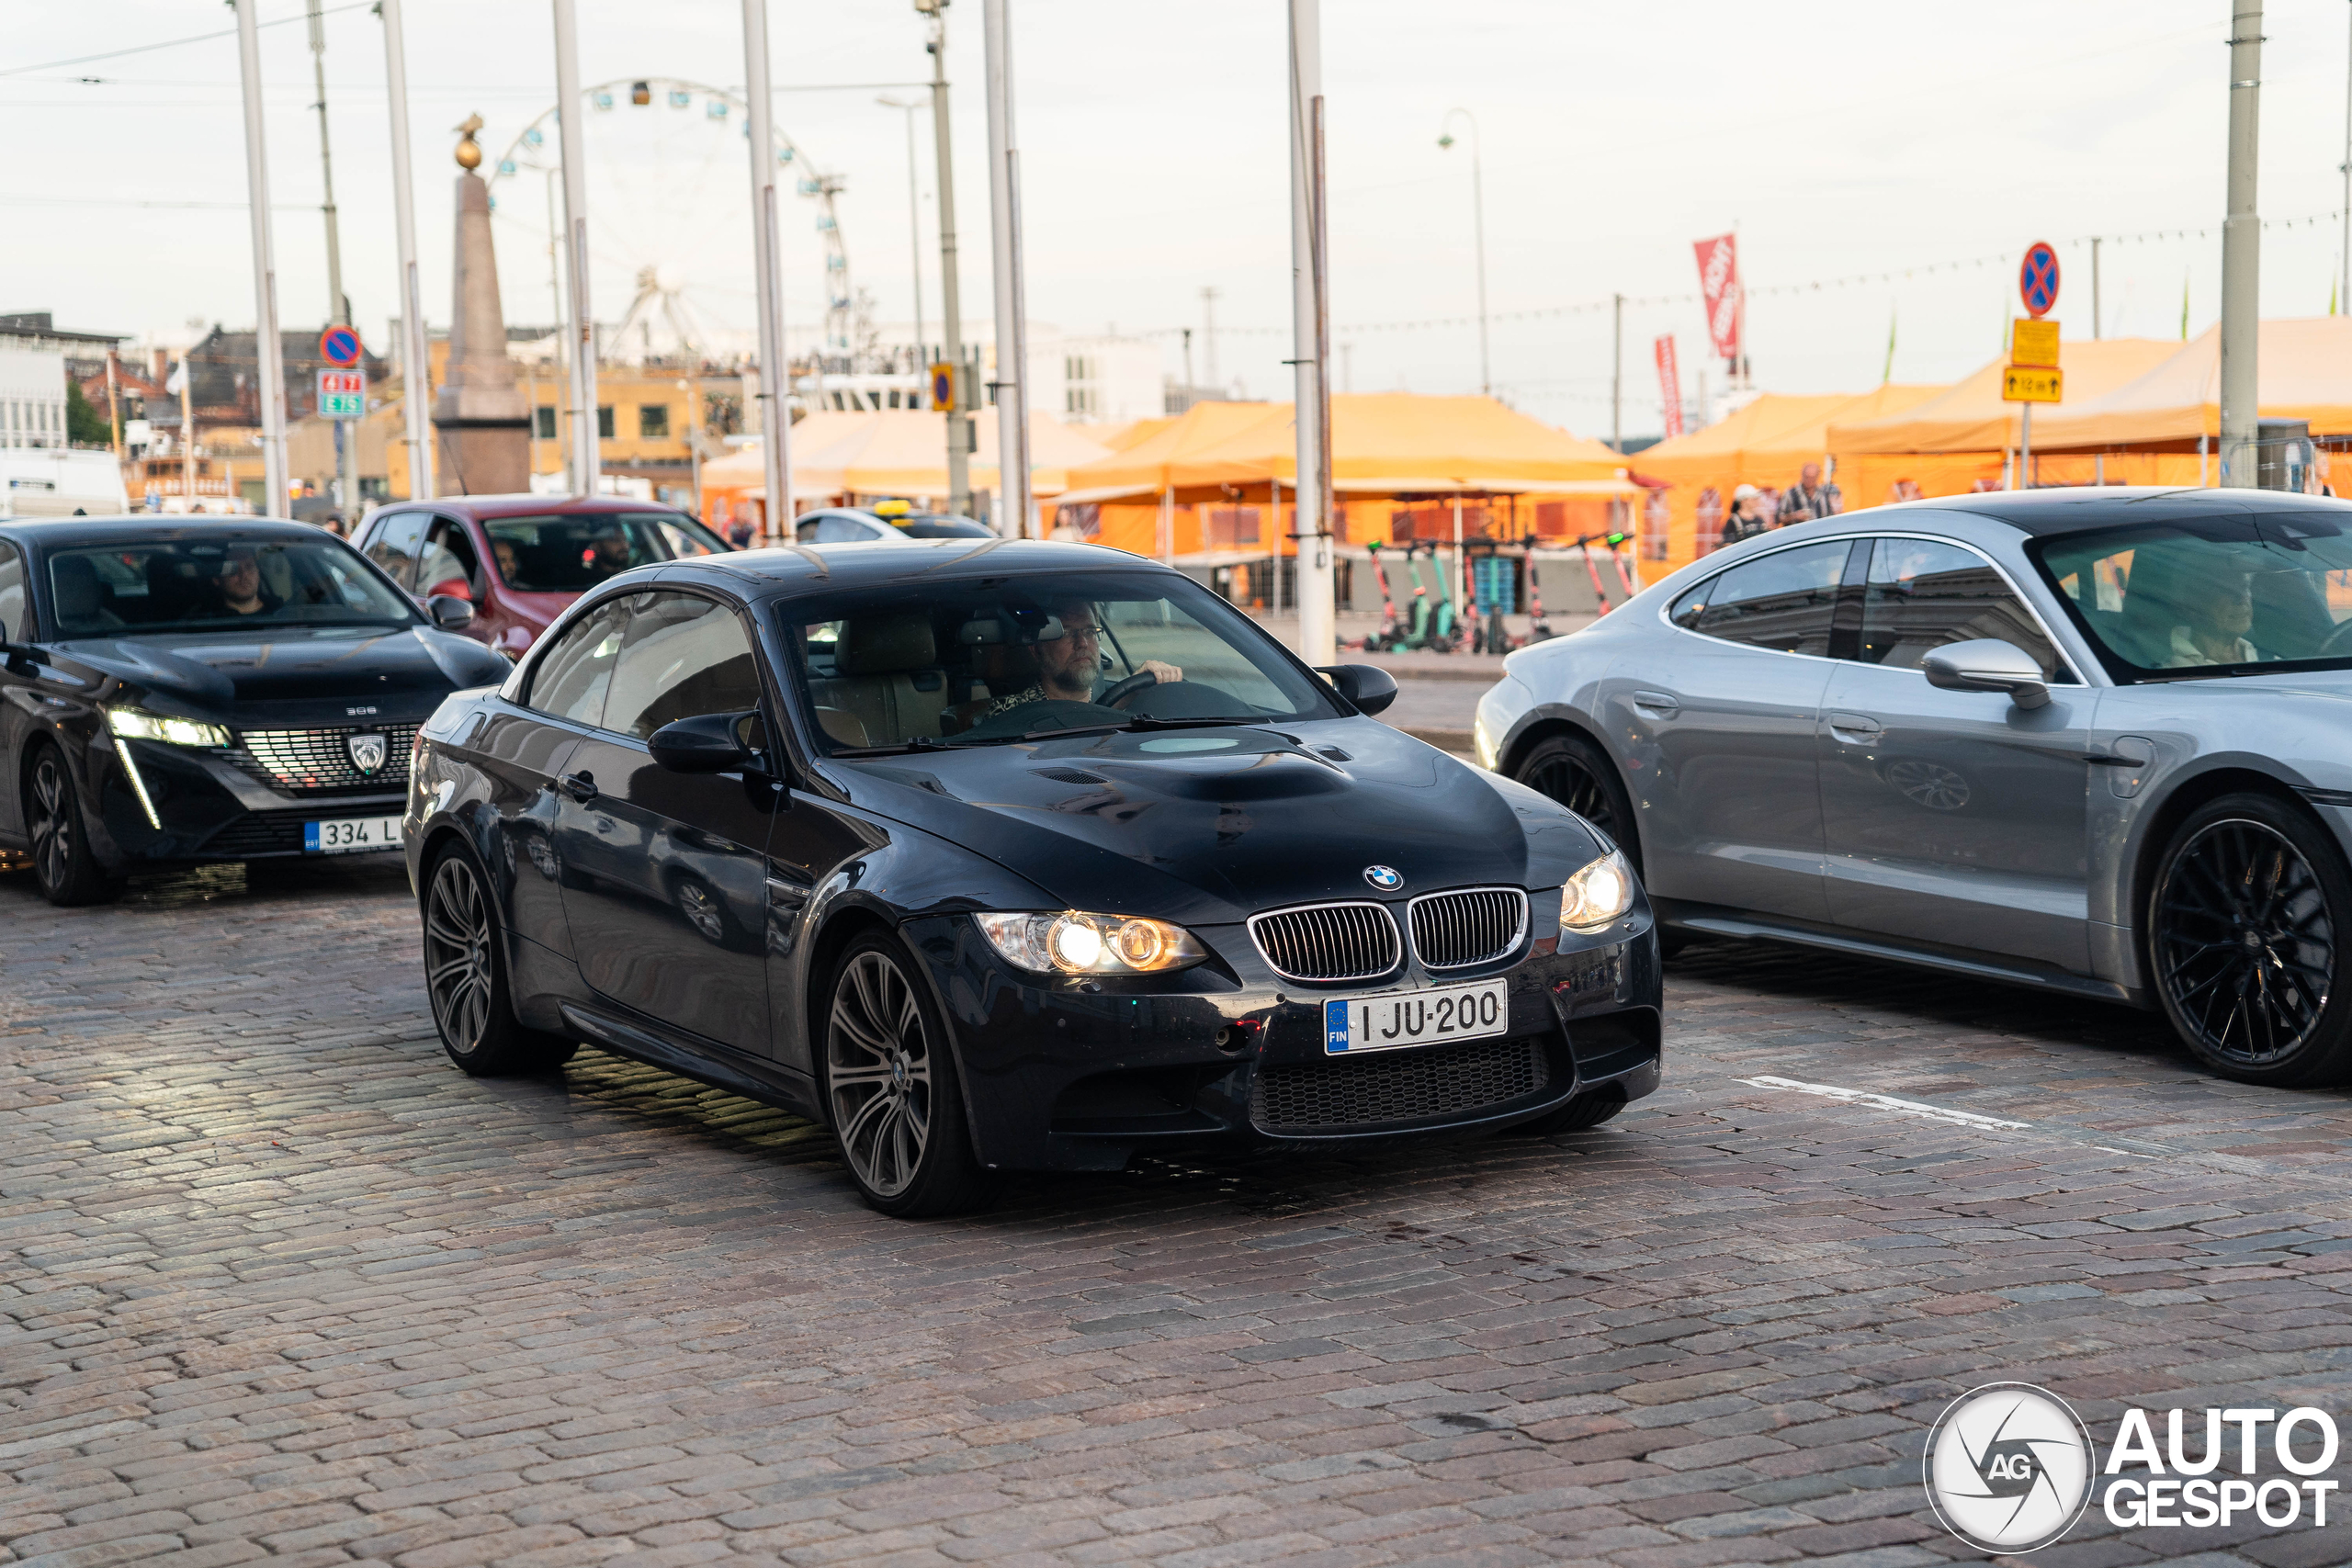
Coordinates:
(521, 559)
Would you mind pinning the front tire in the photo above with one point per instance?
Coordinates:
(891, 1088)
(65, 869)
(465, 977)
(2246, 926)
(1572, 770)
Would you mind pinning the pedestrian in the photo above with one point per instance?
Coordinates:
(1809, 498)
(741, 532)
(1746, 519)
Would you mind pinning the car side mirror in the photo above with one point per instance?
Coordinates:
(1368, 686)
(450, 612)
(1987, 664)
(706, 743)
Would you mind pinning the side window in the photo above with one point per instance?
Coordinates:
(683, 655)
(448, 565)
(16, 607)
(844, 531)
(394, 544)
(570, 680)
(1691, 605)
(1922, 595)
(1782, 602)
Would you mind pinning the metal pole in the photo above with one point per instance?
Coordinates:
(2095, 311)
(2024, 446)
(2343, 290)
(1310, 341)
(1617, 377)
(2242, 254)
(562, 333)
(338, 303)
(1478, 232)
(188, 432)
(269, 349)
(1012, 381)
(416, 355)
(951, 294)
(114, 402)
(776, 370)
(586, 461)
(1208, 339)
(694, 437)
(914, 217)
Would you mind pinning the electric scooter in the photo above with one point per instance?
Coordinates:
(1540, 629)
(1389, 631)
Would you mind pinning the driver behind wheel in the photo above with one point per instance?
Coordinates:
(1068, 650)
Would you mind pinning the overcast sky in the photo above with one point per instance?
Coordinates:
(1843, 137)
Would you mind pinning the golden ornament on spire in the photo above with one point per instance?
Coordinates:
(469, 149)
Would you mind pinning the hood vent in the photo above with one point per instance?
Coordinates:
(1071, 775)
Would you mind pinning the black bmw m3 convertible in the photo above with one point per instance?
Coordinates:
(1002, 856)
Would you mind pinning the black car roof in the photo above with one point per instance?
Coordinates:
(63, 532)
(804, 568)
(2076, 508)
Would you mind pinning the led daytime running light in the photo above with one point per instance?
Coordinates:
(132, 724)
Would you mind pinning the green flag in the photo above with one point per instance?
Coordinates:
(1887, 374)
(2184, 307)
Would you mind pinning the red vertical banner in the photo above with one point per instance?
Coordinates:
(1669, 384)
(1719, 283)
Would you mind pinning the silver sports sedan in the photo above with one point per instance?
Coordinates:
(2096, 740)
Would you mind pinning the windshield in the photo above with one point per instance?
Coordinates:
(572, 553)
(216, 584)
(2211, 596)
(973, 663)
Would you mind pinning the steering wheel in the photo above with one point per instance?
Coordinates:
(1128, 688)
(2338, 643)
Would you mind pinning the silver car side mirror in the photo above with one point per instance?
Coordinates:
(1987, 664)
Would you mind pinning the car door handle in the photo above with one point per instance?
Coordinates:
(581, 787)
(1657, 702)
(1853, 726)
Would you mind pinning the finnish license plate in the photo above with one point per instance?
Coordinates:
(1442, 1013)
(351, 835)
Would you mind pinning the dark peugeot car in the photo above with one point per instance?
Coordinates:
(208, 692)
(1009, 855)
(521, 559)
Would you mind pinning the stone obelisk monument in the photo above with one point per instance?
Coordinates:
(481, 417)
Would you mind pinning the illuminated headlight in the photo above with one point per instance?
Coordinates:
(1598, 894)
(1074, 942)
(133, 724)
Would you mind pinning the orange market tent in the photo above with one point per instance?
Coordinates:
(2304, 371)
(868, 455)
(1392, 445)
(1766, 442)
(1956, 441)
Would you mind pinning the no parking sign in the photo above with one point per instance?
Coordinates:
(2038, 279)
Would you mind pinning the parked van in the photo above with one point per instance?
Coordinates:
(47, 482)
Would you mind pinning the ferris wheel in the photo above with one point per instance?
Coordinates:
(669, 206)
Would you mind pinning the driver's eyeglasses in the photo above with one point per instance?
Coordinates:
(1087, 632)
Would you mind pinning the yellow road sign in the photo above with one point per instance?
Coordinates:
(2034, 344)
(2029, 384)
(942, 387)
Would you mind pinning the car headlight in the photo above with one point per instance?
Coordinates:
(1598, 894)
(133, 724)
(1075, 943)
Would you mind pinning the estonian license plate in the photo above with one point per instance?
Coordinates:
(1416, 1018)
(351, 835)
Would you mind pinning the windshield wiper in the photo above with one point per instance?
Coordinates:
(913, 743)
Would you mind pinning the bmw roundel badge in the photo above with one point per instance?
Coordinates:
(1386, 878)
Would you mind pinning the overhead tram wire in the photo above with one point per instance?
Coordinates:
(176, 42)
(1850, 280)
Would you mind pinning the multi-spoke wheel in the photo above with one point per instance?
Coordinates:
(897, 1109)
(2244, 938)
(1577, 774)
(63, 867)
(465, 977)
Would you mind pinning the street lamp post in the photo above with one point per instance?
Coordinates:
(2242, 255)
(951, 294)
(416, 362)
(1478, 229)
(1310, 341)
(1012, 381)
(269, 349)
(586, 460)
(775, 369)
(914, 212)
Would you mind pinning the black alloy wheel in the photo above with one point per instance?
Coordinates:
(465, 977)
(1572, 770)
(63, 866)
(2243, 941)
(891, 1088)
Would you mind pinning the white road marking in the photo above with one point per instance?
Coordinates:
(1888, 1102)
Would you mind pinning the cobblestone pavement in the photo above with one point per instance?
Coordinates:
(278, 1281)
